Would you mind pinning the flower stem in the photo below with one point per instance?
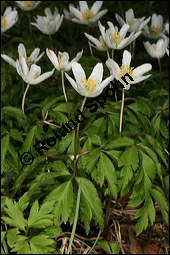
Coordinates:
(64, 92)
(77, 139)
(75, 219)
(91, 51)
(160, 69)
(121, 112)
(113, 54)
(29, 18)
(108, 55)
(23, 101)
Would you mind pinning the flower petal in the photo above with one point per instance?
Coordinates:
(113, 67)
(140, 70)
(126, 58)
(9, 60)
(21, 50)
(96, 7)
(97, 73)
(43, 77)
(52, 56)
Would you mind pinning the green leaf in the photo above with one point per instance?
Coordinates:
(41, 217)
(61, 118)
(110, 247)
(41, 240)
(106, 171)
(52, 232)
(130, 157)
(23, 202)
(114, 154)
(162, 202)
(22, 247)
(13, 237)
(16, 217)
(90, 160)
(148, 165)
(90, 204)
(63, 197)
(120, 142)
(29, 141)
(14, 113)
(95, 139)
(15, 134)
(4, 145)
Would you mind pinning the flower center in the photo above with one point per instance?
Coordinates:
(52, 19)
(27, 4)
(37, 74)
(87, 15)
(61, 61)
(116, 38)
(154, 47)
(155, 30)
(90, 85)
(103, 44)
(3, 22)
(124, 70)
(129, 21)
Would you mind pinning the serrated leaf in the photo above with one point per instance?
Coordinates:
(41, 240)
(41, 217)
(110, 247)
(52, 232)
(95, 139)
(114, 154)
(106, 171)
(90, 160)
(15, 134)
(23, 202)
(22, 247)
(29, 141)
(16, 217)
(15, 113)
(90, 203)
(13, 237)
(4, 145)
(63, 196)
(148, 166)
(162, 202)
(129, 157)
(120, 142)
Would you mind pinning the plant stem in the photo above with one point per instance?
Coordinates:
(113, 54)
(160, 69)
(64, 92)
(108, 55)
(75, 219)
(77, 139)
(91, 51)
(23, 101)
(29, 18)
(133, 48)
(89, 252)
(121, 112)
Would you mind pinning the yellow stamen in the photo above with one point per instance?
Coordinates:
(124, 70)
(27, 4)
(129, 21)
(3, 22)
(103, 44)
(154, 47)
(52, 19)
(87, 15)
(37, 74)
(89, 84)
(156, 29)
(116, 38)
(61, 61)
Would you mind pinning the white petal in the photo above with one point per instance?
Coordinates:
(123, 30)
(119, 20)
(78, 72)
(83, 6)
(150, 49)
(42, 77)
(72, 82)
(32, 72)
(24, 66)
(126, 58)
(129, 15)
(113, 67)
(92, 39)
(96, 7)
(139, 79)
(52, 56)
(9, 60)
(97, 16)
(48, 13)
(140, 70)
(97, 73)
(21, 50)
(34, 54)
(76, 13)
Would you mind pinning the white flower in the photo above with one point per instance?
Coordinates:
(156, 28)
(33, 58)
(50, 23)
(9, 18)
(28, 5)
(121, 71)
(156, 50)
(61, 62)
(84, 15)
(116, 40)
(135, 24)
(33, 75)
(91, 87)
(98, 44)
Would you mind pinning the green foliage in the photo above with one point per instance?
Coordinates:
(39, 197)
